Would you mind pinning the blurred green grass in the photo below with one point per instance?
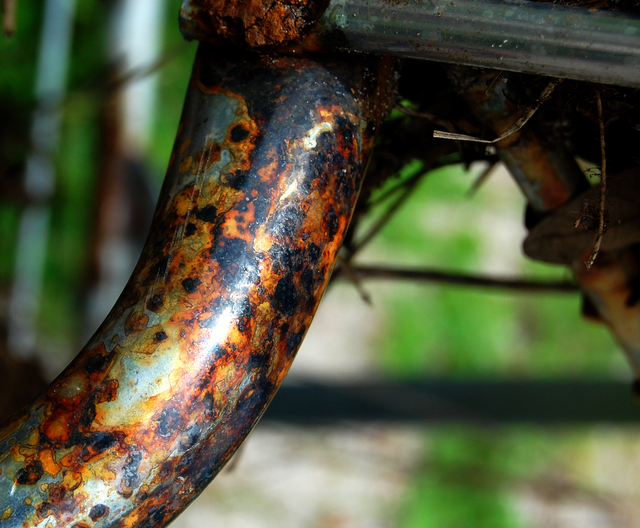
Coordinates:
(473, 477)
(461, 331)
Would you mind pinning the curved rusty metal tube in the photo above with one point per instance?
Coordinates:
(260, 188)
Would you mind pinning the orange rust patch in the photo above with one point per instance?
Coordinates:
(184, 146)
(266, 172)
(257, 23)
(136, 322)
(237, 223)
(71, 480)
(184, 200)
(34, 438)
(15, 454)
(27, 452)
(67, 460)
(48, 462)
(241, 139)
(185, 164)
(57, 426)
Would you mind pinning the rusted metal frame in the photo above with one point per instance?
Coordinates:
(543, 168)
(533, 37)
(610, 285)
(549, 177)
(261, 185)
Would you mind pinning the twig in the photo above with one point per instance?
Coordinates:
(603, 189)
(9, 17)
(426, 115)
(496, 78)
(430, 275)
(389, 193)
(480, 180)
(136, 74)
(347, 269)
(384, 219)
(545, 95)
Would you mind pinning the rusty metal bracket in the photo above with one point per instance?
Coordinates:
(554, 186)
(260, 188)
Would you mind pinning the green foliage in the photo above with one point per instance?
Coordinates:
(18, 56)
(77, 163)
(470, 476)
(461, 331)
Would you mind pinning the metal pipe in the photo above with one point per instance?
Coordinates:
(530, 37)
(436, 401)
(543, 168)
(260, 188)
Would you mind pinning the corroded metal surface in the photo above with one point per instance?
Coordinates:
(543, 168)
(582, 43)
(535, 37)
(260, 188)
(252, 23)
(557, 240)
(611, 285)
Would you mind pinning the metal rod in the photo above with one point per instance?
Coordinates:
(543, 167)
(487, 402)
(260, 188)
(531, 37)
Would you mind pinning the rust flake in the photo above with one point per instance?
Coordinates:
(257, 23)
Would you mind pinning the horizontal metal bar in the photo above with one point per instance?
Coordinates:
(531, 37)
(479, 402)
(523, 36)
